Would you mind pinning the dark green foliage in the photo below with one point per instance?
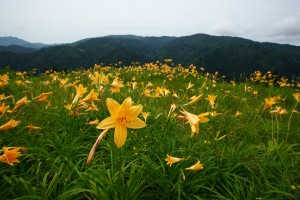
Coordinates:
(230, 56)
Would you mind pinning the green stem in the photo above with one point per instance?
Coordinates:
(120, 172)
(272, 127)
(289, 123)
(169, 118)
(277, 123)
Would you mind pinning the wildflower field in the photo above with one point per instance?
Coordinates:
(150, 131)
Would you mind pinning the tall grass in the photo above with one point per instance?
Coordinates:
(252, 155)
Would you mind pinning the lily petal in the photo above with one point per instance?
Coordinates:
(106, 123)
(134, 111)
(203, 119)
(195, 167)
(120, 135)
(191, 117)
(113, 107)
(137, 123)
(125, 106)
(194, 129)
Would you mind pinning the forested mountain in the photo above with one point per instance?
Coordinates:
(230, 56)
(16, 49)
(7, 41)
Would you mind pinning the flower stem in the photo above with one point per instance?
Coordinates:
(289, 123)
(92, 152)
(120, 168)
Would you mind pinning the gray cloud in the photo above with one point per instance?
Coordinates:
(59, 21)
(288, 27)
(232, 28)
(225, 27)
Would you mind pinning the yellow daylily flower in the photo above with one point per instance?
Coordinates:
(166, 92)
(195, 167)
(45, 82)
(96, 121)
(295, 111)
(159, 91)
(202, 117)
(3, 108)
(27, 82)
(147, 93)
(92, 107)
(18, 82)
(145, 115)
(80, 91)
(171, 160)
(92, 96)
(10, 124)
(172, 109)
(43, 97)
(69, 107)
(168, 60)
(278, 110)
(297, 96)
(193, 120)
(21, 102)
(190, 85)
(4, 80)
(238, 113)
(194, 99)
(116, 85)
(18, 73)
(10, 156)
(4, 77)
(33, 128)
(95, 78)
(269, 102)
(63, 82)
(293, 187)
(122, 117)
(134, 85)
(175, 95)
(191, 117)
(215, 114)
(149, 85)
(211, 99)
(3, 97)
(255, 92)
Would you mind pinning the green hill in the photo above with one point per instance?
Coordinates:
(230, 56)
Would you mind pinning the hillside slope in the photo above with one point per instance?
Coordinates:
(230, 56)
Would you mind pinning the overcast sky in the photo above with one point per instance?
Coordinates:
(64, 21)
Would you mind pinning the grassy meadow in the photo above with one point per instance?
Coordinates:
(190, 134)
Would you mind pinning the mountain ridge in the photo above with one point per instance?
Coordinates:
(10, 40)
(228, 55)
